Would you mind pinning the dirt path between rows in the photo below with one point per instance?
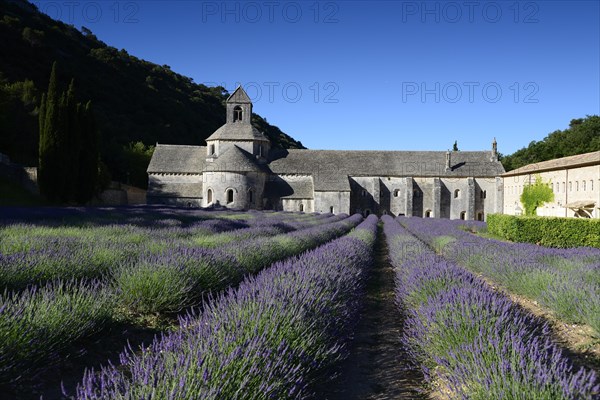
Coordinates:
(378, 366)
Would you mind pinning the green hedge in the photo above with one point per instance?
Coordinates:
(546, 231)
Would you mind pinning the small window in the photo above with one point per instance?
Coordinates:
(428, 214)
(563, 187)
(260, 150)
(211, 149)
(250, 196)
(384, 211)
(229, 196)
(463, 215)
(483, 194)
(332, 210)
(237, 114)
(367, 212)
(396, 192)
(583, 186)
(364, 193)
(209, 197)
(591, 185)
(480, 216)
(301, 207)
(457, 193)
(570, 186)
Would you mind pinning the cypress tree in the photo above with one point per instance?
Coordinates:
(49, 146)
(68, 146)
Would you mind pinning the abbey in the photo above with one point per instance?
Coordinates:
(238, 169)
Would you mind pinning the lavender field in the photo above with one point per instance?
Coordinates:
(167, 303)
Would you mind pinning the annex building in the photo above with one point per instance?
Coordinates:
(575, 181)
(238, 169)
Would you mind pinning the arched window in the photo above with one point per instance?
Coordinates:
(463, 215)
(332, 210)
(396, 192)
(229, 196)
(301, 207)
(209, 197)
(480, 216)
(428, 214)
(237, 114)
(211, 149)
(456, 193)
(250, 196)
(483, 194)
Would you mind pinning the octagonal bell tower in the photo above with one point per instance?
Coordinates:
(238, 130)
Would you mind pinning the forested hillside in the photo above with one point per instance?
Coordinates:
(582, 136)
(134, 100)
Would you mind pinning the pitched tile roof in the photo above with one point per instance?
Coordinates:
(330, 169)
(170, 158)
(294, 188)
(579, 160)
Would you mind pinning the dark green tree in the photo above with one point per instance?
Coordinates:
(68, 161)
(51, 145)
(455, 146)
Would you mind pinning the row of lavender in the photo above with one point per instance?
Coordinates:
(566, 281)
(263, 340)
(37, 253)
(37, 324)
(473, 342)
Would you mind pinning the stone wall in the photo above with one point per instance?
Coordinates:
(294, 205)
(25, 177)
(569, 185)
(248, 189)
(336, 202)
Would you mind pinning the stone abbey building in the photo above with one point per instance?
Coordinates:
(238, 169)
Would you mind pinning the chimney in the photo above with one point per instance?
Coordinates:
(448, 168)
(494, 150)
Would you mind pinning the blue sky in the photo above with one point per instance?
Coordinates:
(393, 75)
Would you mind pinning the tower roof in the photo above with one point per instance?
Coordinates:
(235, 159)
(237, 131)
(239, 95)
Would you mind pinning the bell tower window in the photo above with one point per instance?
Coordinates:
(237, 114)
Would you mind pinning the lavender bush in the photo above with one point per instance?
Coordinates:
(471, 340)
(566, 281)
(263, 340)
(178, 278)
(37, 324)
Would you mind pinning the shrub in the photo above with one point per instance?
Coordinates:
(546, 231)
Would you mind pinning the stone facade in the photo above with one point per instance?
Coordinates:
(239, 169)
(575, 181)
